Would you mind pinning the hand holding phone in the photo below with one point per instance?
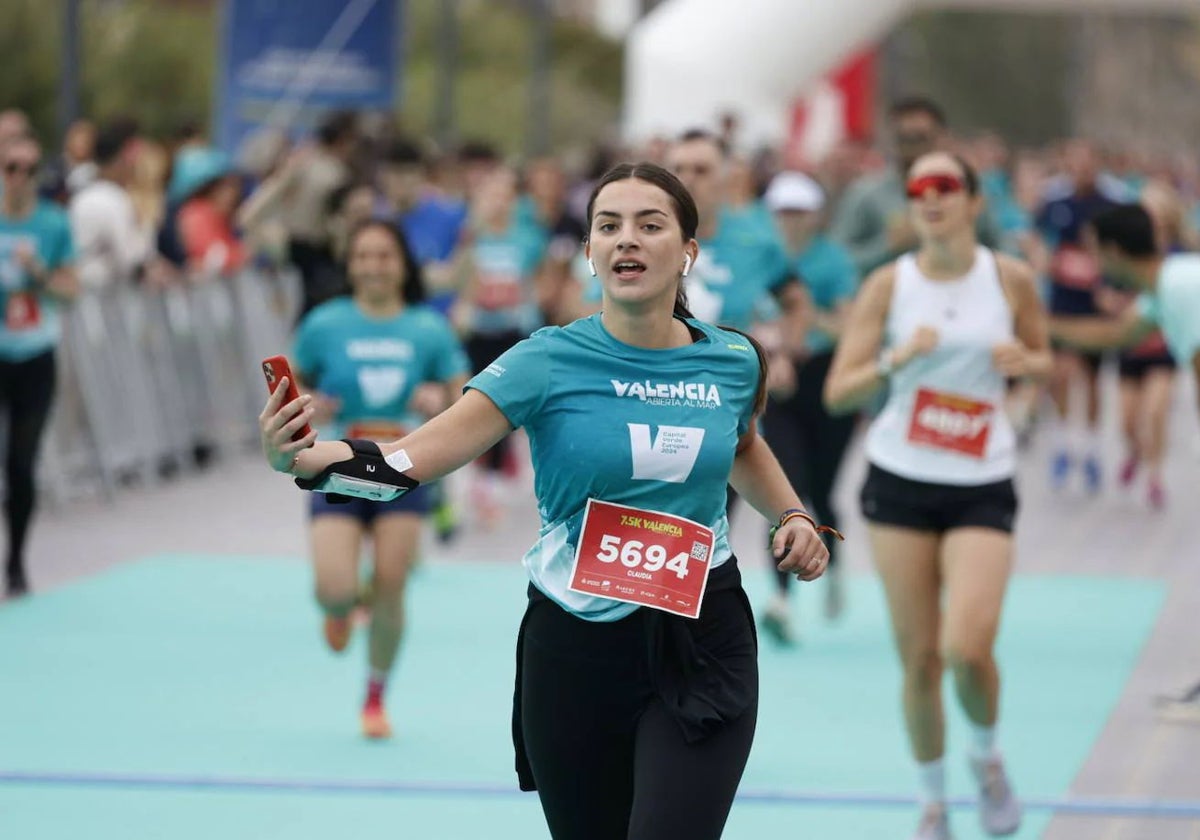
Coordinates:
(276, 369)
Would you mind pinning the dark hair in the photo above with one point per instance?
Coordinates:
(336, 202)
(693, 135)
(336, 127)
(404, 152)
(970, 176)
(1128, 227)
(414, 279)
(187, 131)
(112, 138)
(689, 220)
(918, 105)
(478, 151)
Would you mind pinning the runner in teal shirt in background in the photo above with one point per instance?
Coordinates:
(500, 304)
(810, 442)
(36, 272)
(379, 363)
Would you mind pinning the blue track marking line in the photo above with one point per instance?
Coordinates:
(1091, 806)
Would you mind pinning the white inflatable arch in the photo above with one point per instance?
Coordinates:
(688, 60)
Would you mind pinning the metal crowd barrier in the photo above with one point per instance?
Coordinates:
(150, 377)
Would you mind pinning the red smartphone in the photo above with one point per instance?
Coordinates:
(275, 369)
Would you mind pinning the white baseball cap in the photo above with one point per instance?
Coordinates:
(794, 191)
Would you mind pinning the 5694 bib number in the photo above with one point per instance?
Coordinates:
(642, 557)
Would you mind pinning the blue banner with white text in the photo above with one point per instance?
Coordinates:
(285, 63)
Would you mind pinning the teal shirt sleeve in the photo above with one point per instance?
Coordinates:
(844, 274)
(1147, 308)
(517, 381)
(747, 415)
(59, 245)
(306, 352)
(536, 242)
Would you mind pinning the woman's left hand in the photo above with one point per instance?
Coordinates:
(799, 549)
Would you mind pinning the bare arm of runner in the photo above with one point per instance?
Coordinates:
(758, 478)
(455, 437)
(1089, 333)
(857, 373)
(1028, 355)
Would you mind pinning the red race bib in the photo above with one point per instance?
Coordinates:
(379, 431)
(642, 557)
(22, 312)
(1075, 268)
(945, 421)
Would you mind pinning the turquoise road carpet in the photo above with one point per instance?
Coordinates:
(186, 667)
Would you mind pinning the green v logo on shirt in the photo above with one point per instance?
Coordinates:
(669, 456)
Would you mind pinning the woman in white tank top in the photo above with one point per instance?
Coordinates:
(944, 327)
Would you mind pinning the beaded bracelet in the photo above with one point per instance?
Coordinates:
(797, 513)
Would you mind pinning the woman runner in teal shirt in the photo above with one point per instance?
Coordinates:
(631, 722)
(380, 362)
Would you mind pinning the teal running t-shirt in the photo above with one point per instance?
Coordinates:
(829, 274)
(652, 429)
(1175, 305)
(736, 267)
(46, 233)
(373, 365)
(505, 265)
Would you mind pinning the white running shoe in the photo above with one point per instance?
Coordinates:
(935, 824)
(999, 808)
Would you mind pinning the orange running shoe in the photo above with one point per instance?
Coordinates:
(337, 632)
(375, 722)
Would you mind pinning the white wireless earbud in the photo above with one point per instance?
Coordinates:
(687, 264)
(592, 267)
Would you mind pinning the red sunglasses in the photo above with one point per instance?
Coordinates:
(941, 184)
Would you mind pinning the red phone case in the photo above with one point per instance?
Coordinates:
(275, 369)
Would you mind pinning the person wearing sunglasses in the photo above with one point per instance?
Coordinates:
(944, 327)
(36, 273)
(872, 221)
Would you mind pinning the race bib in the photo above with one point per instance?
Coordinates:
(22, 311)
(642, 557)
(949, 422)
(499, 291)
(1075, 268)
(379, 431)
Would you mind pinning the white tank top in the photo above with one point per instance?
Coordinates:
(944, 421)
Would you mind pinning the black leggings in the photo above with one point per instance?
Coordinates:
(610, 761)
(482, 351)
(26, 392)
(809, 443)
